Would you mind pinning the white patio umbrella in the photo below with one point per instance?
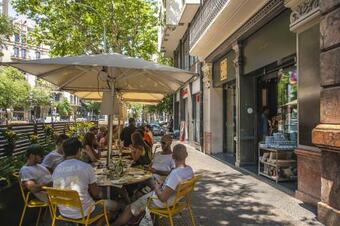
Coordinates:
(144, 98)
(107, 72)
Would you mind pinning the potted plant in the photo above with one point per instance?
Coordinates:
(48, 130)
(33, 138)
(10, 137)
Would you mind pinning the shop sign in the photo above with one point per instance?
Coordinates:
(196, 86)
(224, 69)
(184, 93)
(177, 96)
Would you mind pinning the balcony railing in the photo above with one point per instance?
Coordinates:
(204, 17)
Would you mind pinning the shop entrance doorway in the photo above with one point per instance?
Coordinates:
(230, 119)
(266, 104)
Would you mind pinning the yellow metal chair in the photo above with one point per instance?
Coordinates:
(182, 201)
(70, 198)
(29, 201)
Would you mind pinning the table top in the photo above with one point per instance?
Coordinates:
(131, 175)
(115, 152)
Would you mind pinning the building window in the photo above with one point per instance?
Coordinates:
(57, 97)
(16, 38)
(37, 55)
(16, 51)
(23, 53)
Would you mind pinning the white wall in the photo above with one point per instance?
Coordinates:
(213, 119)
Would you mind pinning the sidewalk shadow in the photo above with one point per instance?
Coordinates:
(220, 199)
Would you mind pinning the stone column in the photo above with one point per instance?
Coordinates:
(304, 21)
(212, 113)
(327, 134)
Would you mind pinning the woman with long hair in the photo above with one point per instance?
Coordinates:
(140, 151)
(90, 153)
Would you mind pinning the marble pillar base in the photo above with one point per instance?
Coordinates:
(309, 176)
(328, 215)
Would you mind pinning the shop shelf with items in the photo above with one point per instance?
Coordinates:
(277, 164)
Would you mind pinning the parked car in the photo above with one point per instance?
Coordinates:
(175, 134)
(157, 130)
(81, 119)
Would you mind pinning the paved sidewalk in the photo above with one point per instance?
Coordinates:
(225, 196)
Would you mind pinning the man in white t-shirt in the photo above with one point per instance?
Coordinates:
(163, 162)
(55, 157)
(33, 175)
(79, 176)
(162, 193)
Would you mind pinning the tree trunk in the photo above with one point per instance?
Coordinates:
(6, 116)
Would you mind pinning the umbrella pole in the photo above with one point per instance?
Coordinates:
(119, 121)
(110, 119)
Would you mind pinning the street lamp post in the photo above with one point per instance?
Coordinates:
(101, 18)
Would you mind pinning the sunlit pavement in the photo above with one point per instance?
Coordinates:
(225, 196)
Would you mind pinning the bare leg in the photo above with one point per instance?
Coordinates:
(124, 217)
(111, 208)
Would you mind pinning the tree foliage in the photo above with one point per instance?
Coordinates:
(73, 28)
(135, 110)
(40, 96)
(90, 106)
(64, 108)
(164, 106)
(6, 30)
(14, 88)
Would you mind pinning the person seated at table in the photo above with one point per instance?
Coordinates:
(102, 132)
(79, 176)
(89, 153)
(94, 130)
(33, 175)
(164, 193)
(142, 133)
(163, 162)
(104, 141)
(140, 151)
(52, 159)
(125, 135)
(148, 136)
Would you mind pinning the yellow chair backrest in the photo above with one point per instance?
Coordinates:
(185, 189)
(23, 191)
(64, 197)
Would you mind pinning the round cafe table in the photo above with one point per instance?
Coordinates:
(131, 175)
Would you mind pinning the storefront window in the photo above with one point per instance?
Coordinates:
(277, 99)
(286, 120)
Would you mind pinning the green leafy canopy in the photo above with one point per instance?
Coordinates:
(6, 30)
(164, 106)
(14, 88)
(64, 108)
(70, 28)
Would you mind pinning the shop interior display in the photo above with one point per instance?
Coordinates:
(277, 160)
(287, 114)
